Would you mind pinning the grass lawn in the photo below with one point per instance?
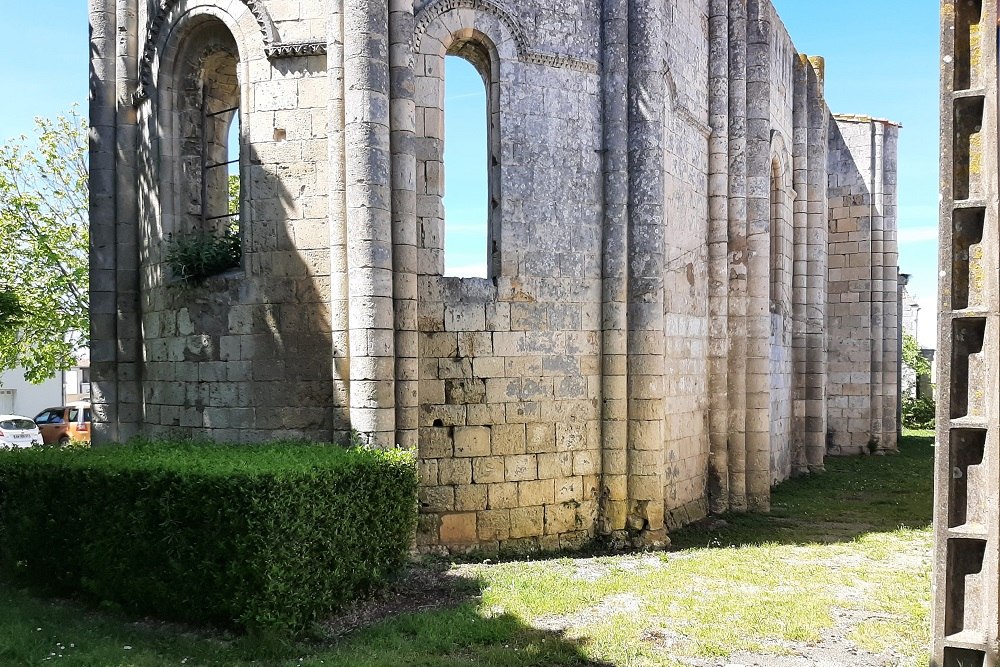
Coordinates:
(839, 569)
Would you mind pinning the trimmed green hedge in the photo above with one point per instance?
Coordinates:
(264, 537)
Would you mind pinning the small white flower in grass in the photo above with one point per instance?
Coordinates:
(127, 647)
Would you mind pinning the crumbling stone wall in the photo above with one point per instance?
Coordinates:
(650, 343)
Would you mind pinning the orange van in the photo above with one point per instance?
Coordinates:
(65, 423)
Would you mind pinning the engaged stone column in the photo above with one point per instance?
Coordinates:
(369, 220)
(645, 273)
(816, 192)
(402, 112)
(614, 320)
(103, 283)
(127, 226)
(737, 388)
(891, 339)
(877, 326)
(718, 253)
(758, 423)
(339, 289)
(800, 265)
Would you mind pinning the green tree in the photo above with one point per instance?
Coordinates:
(44, 248)
(916, 412)
(913, 358)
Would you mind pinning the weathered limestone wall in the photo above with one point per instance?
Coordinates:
(247, 355)
(862, 290)
(509, 367)
(686, 265)
(650, 342)
(966, 600)
(760, 100)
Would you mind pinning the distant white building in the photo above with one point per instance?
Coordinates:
(20, 397)
(910, 312)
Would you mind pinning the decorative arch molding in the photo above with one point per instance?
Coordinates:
(273, 46)
(781, 155)
(525, 53)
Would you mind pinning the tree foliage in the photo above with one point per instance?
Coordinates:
(44, 246)
(913, 358)
(916, 412)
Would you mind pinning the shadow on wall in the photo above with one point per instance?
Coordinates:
(247, 355)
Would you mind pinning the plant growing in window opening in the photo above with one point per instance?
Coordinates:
(195, 256)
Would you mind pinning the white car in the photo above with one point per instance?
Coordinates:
(18, 431)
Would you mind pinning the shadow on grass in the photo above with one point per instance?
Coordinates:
(448, 630)
(439, 621)
(855, 496)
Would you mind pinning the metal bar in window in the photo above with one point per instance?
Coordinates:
(221, 164)
(219, 113)
(220, 217)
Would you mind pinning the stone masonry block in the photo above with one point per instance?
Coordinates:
(472, 441)
(521, 467)
(493, 525)
(488, 469)
(508, 439)
(455, 471)
(471, 497)
(502, 496)
(458, 528)
(526, 522)
(539, 492)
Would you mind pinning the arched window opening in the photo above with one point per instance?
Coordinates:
(206, 237)
(781, 245)
(470, 163)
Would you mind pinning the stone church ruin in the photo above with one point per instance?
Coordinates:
(692, 289)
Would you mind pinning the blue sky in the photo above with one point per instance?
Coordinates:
(881, 60)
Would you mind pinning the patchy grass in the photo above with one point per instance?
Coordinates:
(841, 567)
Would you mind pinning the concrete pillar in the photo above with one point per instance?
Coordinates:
(718, 252)
(614, 320)
(737, 220)
(817, 235)
(645, 272)
(758, 351)
(103, 180)
(369, 220)
(402, 120)
(339, 289)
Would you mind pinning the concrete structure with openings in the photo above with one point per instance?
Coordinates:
(692, 263)
(966, 600)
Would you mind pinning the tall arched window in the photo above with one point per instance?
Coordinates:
(466, 173)
(204, 102)
(781, 244)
